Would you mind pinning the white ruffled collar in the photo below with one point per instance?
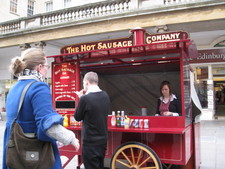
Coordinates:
(172, 97)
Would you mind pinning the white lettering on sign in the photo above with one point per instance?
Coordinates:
(205, 56)
(64, 70)
(162, 38)
(58, 71)
(68, 70)
(64, 77)
(63, 96)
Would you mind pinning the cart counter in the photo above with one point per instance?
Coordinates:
(171, 141)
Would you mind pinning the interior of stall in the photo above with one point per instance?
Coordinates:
(132, 87)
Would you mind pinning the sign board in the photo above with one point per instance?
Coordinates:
(209, 56)
(125, 42)
(64, 86)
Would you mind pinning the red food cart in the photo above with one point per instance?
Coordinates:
(131, 70)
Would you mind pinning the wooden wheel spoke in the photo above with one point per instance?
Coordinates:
(135, 155)
(144, 161)
(139, 156)
(126, 158)
(132, 155)
(123, 163)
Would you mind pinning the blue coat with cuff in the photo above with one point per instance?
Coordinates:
(36, 114)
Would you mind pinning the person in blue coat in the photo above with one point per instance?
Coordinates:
(37, 114)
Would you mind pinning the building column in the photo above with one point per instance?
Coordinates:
(210, 90)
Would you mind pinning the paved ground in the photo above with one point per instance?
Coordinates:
(212, 144)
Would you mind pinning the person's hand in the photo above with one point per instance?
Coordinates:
(167, 113)
(76, 144)
(80, 93)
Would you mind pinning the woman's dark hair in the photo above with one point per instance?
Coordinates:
(167, 83)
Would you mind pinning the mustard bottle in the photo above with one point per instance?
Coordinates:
(66, 121)
(126, 122)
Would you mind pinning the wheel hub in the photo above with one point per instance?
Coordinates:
(134, 167)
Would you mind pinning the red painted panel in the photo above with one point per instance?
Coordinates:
(171, 147)
(139, 37)
(188, 145)
(65, 81)
(167, 146)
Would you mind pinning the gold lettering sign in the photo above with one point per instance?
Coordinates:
(96, 46)
(124, 42)
(167, 37)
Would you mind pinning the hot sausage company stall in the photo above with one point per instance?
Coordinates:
(130, 70)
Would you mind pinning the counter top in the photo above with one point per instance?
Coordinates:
(166, 125)
(140, 130)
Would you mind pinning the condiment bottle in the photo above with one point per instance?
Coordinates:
(72, 121)
(126, 122)
(122, 119)
(118, 124)
(66, 121)
(113, 119)
(146, 125)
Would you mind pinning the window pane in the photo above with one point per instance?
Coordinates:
(30, 8)
(13, 6)
(67, 3)
(49, 6)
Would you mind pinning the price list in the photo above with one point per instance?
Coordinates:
(64, 86)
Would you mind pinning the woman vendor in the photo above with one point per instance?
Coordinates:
(168, 104)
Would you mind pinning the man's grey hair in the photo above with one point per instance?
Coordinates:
(92, 77)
